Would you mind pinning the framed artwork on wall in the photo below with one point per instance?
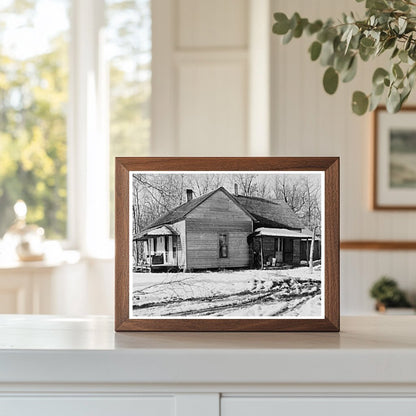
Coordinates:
(394, 151)
(227, 244)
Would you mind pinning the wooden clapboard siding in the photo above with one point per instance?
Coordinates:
(203, 252)
(180, 228)
(217, 215)
(219, 207)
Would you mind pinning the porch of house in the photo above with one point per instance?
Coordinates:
(279, 247)
(156, 250)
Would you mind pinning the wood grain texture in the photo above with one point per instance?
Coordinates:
(375, 204)
(378, 245)
(330, 165)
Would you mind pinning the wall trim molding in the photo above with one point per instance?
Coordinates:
(377, 245)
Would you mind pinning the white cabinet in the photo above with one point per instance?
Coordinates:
(271, 406)
(79, 366)
(87, 406)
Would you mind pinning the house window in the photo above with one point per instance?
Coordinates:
(223, 246)
(129, 57)
(34, 69)
(75, 86)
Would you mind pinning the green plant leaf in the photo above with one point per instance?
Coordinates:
(341, 61)
(378, 89)
(281, 27)
(393, 101)
(359, 103)
(376, 4)
(379, 75)
(397, 71)
(315, 50)
(330, 80)
(327, 53)
(389, 43)
(288, 37)
(403, 56)
(408, 42)
(374, 102)
(314, 27)
(395, 52)
(350, 73)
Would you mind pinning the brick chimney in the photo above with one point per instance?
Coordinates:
(189, 194)
(235, 189)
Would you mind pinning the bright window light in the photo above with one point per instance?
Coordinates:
(33, 102)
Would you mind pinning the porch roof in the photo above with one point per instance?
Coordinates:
(155, 232)
(281, 232)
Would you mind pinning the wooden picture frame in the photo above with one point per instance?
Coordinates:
(391, 175)
(326, 167)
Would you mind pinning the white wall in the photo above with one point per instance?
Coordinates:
(215, 70)
(308, 122)
(200, 77)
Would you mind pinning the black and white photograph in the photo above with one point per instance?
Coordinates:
(226, 244)
(394, 177)
(403, 158)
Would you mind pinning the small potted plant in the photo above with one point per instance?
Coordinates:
(387, 294)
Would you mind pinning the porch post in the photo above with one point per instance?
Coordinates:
(261, 251)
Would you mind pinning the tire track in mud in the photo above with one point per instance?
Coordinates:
(286, 290)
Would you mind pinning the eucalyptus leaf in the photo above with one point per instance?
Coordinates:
(403, 56)
(376, 4)
(397, 71)
(378, 89)
(315, 50)
(281, 27)
(395, 52)
(288, 37)
(327, 54)
(393, 101)
(379, 75)
(388, 24)
(359, 103)
(402, 22)
(408, 42)
(351, 71)
(330, 80)
(374, 102)
(314, 27)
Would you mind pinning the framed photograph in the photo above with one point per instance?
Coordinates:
(227, 244)
(394, 178)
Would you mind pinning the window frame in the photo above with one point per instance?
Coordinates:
(226, 245)
(87, 132)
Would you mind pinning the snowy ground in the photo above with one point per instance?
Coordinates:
(294, 292)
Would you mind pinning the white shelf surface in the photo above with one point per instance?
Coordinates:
(53, 349)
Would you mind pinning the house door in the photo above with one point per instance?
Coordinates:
(288, 251)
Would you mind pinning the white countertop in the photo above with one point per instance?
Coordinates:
(52, 349)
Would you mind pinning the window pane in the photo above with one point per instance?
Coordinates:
(33, 100)
(129, 45)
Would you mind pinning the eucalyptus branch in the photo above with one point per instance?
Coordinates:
(388, 26)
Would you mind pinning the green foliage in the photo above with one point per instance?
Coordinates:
(330, 80)
(33, 97)
(389, 26)
(387, 292)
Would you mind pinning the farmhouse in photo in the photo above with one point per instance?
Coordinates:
(220, 230)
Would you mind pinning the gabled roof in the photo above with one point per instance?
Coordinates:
(163, 230)
(271, 213)
(180, 212)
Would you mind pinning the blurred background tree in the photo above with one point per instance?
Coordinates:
(33, 98)
(34, 84)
